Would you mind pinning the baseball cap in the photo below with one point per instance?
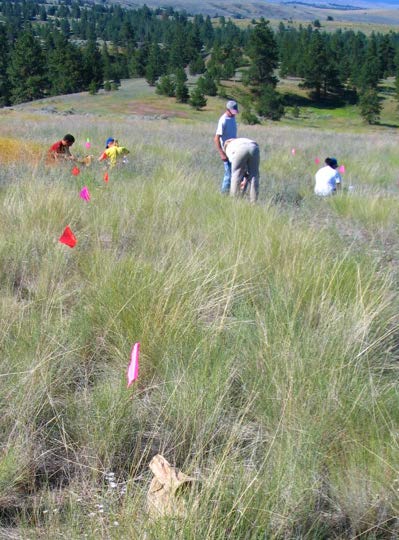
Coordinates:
(108, 141)
(232, 106)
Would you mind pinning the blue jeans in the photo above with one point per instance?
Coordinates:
(226, 178)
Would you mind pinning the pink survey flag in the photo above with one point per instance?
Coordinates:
(87, 144)
(84, 194)
(293, 151)
(317, 161)
(133, 367)
(341, 169)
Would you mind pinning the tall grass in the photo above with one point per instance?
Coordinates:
(268, 338)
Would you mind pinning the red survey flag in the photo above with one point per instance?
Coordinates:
(75, 171)
(106, 177)
(85, 194)
(133, 367)
(68, 238)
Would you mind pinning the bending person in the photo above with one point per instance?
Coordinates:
(244, 157)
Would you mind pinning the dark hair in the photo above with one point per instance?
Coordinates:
(69, 138)
(332, 162)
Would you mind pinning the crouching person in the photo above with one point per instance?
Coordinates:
(328, 179)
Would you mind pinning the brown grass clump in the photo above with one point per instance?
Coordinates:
(13, 150)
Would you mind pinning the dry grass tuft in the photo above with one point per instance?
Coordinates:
(15, 150)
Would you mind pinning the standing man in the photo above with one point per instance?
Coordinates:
(243, 154)
(227, 129)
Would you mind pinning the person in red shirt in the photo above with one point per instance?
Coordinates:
(60, 149)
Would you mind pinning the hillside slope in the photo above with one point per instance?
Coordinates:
(373, 12)
(268, 333)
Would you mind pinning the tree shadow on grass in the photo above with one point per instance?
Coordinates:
(329, 102)
(391, 126)
(292, 100)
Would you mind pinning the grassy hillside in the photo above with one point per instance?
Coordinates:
(268, 333)
(381, 17)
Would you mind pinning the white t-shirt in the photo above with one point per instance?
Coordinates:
(227, 128)
(327, 179)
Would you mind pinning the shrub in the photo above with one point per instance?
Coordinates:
(249, 118)
(197, 98)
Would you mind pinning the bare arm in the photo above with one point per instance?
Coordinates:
(219, 148)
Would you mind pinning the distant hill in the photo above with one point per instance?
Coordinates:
(385, 12)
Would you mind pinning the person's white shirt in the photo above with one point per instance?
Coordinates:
(327, 179)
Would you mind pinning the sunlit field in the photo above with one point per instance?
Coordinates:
(269, 333)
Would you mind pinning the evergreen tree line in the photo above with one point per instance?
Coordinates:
(51, 49)
(330, 61)
(48, 49)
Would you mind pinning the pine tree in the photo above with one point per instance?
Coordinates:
(370, 74)
(106, 60)
(370, 106)
(197, 65)
(138, 61)
(263, 54)
(386, 55)
(4, 80)
(207, 85)
(316, 65)
(166, 86)
(155, 64)
(27, 69)
(64, 64)
(178, 56)
(182, 93)
(197, 99)
(93, 66)
(180, 75)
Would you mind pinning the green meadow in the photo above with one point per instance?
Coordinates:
(269, 333)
